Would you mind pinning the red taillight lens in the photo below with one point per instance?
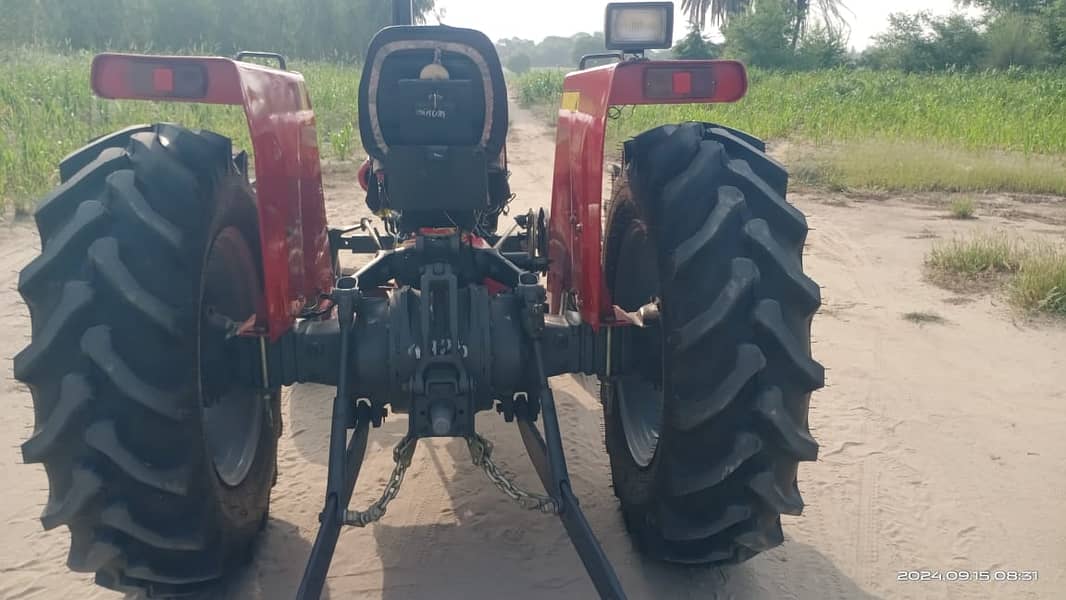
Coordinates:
(677, 83)
(163, 80)
(682, 83)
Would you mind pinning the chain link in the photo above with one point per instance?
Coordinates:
(481, 454)
(401, 454)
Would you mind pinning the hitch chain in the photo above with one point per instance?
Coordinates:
(402, 455)
(481, 454)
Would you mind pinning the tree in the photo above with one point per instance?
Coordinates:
(1024, 32)
(511, 47)
(695, 46)
(957, 42)
(423, 8)
(904, 45)
(923, 42)
(821, 48)
(554, 51)
(1030, 7)
(1011, 43)
(585, 44)
(762, 37)
(1056, 30)
(721, 11)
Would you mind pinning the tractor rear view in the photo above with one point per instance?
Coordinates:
(174, 296)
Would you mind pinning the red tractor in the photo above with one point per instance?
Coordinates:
(174, 296)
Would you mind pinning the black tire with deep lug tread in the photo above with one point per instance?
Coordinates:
(732, 372)
(115, 361)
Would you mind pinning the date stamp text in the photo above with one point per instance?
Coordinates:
(967, 575)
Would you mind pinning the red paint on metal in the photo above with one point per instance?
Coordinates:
(297, 266)
(576, 228)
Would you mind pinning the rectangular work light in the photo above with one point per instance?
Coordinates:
(639, 26)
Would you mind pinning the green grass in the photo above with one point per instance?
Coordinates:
(539, 87)
(1034, 273)
(1040, 284)
(894, 165)
(47, 111)
(979, 255)
(962, 208)
(959, 132)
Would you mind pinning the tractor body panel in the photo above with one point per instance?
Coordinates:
(576, 227)
(296, 260)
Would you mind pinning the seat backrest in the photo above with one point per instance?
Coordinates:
(399, 105)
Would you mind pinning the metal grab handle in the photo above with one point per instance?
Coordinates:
(243, 54)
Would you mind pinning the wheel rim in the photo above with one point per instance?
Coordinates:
(232, 414)
(639, 396)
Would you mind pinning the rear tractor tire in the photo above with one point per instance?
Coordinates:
(160, 466)
(705, 440)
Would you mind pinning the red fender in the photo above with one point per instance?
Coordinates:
(292, 212)
(576, 227)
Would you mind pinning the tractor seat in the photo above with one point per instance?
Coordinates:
(433, 113)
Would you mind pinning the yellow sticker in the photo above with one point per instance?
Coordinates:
(571, 101)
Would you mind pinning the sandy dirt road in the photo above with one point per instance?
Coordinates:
(943, 447)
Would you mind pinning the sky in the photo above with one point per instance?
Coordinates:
(540, 18)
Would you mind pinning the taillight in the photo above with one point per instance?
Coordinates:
(120, 76)
(152, 78)
(675, 82)
(679, 83)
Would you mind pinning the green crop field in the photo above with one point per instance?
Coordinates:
(976, 132)
(47, 111)
(1022, 111)
(993, 131)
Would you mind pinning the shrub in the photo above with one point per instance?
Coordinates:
(962, 208)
